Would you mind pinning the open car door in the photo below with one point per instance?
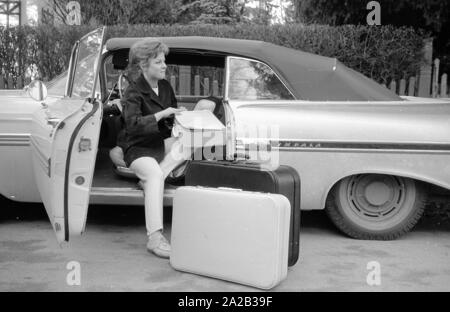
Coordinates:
(64, 141)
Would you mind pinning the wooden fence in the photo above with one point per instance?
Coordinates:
(8, 83)
(434, 85)
(186, 83)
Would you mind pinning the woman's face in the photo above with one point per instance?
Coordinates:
(156, 68)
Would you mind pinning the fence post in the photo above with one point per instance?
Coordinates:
(215, 88)
(412, 86)
(444, 85)
(425, 69)
(173, 83)
(206, 86)
(402, 88)
(435, 86)
(19, 84)
(393, 86)
(10, 83)
(185, 80)
(197, 85)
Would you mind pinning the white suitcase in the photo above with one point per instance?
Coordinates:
(229, 234)
(199, 128)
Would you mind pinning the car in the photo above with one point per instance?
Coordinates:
(363, 153)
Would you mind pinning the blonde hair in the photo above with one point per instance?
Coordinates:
(144, 50)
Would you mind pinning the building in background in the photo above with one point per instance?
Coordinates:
(24, 12)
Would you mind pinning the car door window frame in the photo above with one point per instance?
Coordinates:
(72, 66)
(227, 77)
(74, 63)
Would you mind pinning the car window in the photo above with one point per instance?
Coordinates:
(253, 80)
(186, 75)
(57, 86)
(86, 65)
(84, 77)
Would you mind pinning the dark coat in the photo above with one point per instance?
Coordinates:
(142, 134)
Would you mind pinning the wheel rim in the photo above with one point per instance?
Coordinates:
(376, 198)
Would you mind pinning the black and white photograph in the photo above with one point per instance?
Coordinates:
(224, 151)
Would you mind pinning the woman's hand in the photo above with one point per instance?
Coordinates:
(168, 112)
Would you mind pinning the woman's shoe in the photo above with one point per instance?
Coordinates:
(158, 245)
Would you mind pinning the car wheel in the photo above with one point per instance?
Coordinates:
(375, 207)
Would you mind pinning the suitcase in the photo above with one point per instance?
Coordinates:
(252, 177)
(198, 128)
(229, 234)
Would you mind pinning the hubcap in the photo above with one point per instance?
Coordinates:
(377, 193)
(376, 197)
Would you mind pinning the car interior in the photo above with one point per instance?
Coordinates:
(194, 75)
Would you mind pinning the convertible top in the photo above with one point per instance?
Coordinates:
(308, 76)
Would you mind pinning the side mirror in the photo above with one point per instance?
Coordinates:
(37, 90)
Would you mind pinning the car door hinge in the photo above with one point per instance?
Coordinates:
(84, 145)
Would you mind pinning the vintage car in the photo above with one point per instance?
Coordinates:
(363, 153)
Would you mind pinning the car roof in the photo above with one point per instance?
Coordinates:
(308, 76)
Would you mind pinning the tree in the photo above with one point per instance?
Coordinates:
(211, 12)
(261, 15)
(430, 15)
(111, 12)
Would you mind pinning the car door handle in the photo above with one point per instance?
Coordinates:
(53, 121)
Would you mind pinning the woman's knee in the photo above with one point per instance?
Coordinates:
(146, 168)
(116, 155)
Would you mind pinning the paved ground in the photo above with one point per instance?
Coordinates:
(113, 257)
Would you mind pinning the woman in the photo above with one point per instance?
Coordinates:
(149, 104)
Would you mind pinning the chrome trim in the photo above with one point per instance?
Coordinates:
(71, 71)
(125, 196)
(14, 139)
(230, 133)
(317, 145)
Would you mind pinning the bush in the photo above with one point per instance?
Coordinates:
(381, 53)
(45, 48)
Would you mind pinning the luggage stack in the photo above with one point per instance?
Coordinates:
(250, 176)
(237, 221)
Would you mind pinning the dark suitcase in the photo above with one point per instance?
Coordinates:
(252, 177)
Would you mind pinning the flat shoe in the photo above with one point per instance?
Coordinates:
(159, 245)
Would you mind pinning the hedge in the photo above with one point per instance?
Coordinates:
(380, 52)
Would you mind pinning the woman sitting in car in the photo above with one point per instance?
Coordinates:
(146, 144)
